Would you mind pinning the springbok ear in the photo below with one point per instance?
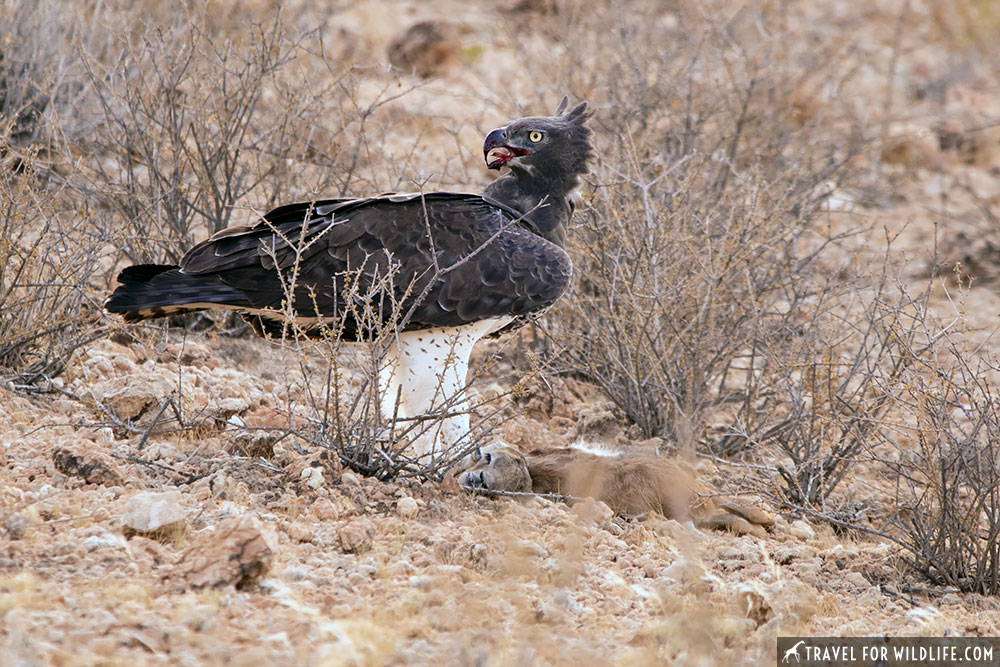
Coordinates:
(562, 106)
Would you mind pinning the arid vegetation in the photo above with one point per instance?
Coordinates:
(785, 267)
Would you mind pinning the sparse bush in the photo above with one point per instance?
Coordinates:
(945, 467)
(826, 395)
(182, 135)
(700, 233)
(46, 302)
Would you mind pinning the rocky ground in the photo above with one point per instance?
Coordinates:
(107, 561)
(216, 545)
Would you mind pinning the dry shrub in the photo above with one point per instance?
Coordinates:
(710, 274)
(700, 237)
(903, 391)
(47, 308)
(944, 461)
(194, 122)
(711, 279)
(825, 396)
(174, 140)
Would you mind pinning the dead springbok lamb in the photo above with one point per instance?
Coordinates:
(631, 483)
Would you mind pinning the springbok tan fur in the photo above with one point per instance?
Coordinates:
(631, 483)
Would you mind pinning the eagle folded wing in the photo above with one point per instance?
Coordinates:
(441, 259)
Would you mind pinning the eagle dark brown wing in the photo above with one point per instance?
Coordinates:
(433, 260)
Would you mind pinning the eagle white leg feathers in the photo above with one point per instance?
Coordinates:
(425, 374)
(388, 382)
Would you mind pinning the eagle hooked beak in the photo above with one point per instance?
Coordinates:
(497, 151)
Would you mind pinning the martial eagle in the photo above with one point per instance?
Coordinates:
(443, 269)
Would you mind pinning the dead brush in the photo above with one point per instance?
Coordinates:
(826, 395)
(706, 252)
(47, 304)
(191, 123)
(699, 235)
(945, 467)
(177, 132)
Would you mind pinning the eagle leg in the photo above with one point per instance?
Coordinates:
(425, 375)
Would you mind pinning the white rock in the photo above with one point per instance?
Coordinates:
(312, 477)
(233, 404)
(227, 508)
(407, 507)
(530, 548)
(923, 614)
(684, 571)
(145, 512)
(131, 395)
(801, 530)
(157, 451)
(103, 540)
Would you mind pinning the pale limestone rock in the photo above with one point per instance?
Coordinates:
(801, 530)
(407, 507)
(146, 512)
(312, 477)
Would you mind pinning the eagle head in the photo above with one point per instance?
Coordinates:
(558, 143)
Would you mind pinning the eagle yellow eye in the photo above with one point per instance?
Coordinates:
(535, 136)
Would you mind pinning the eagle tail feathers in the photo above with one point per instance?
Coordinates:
(148, 291)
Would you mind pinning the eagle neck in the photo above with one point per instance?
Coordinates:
(554, 184)
(544, 205)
